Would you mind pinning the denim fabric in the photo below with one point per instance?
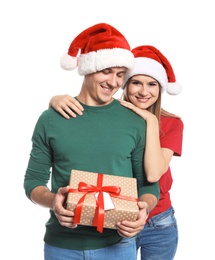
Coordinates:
(159, 238)
(125, 249)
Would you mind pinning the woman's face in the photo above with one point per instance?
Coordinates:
(143, 91)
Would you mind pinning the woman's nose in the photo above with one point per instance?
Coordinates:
(143, 90)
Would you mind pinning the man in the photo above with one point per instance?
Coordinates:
(108, 138)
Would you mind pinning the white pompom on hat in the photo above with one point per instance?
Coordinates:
(150, 61)
(99, 47)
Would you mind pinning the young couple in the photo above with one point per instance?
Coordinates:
(102, 135)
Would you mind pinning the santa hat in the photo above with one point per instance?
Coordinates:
(96, 48)
(150, 61)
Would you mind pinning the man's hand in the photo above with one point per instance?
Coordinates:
(131, 228)
(64, 216)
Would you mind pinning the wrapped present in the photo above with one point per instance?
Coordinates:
(102, 200)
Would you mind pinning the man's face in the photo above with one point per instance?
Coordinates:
(101, 86)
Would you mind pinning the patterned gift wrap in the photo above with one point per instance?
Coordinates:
(91, 211)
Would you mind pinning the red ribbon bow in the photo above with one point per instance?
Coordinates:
(98, 219)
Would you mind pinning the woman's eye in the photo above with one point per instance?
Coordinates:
(135, 82)
(153, 84)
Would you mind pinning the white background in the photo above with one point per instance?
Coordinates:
(35, 34)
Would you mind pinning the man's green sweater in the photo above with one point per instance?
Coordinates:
(107, 139)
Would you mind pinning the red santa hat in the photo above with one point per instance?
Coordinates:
(96, 48)
(150, 61)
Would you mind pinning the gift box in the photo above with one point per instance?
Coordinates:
(102, 200)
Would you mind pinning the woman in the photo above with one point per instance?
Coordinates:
(142, 92)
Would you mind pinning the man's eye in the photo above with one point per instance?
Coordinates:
(121, 75)
(106, 71)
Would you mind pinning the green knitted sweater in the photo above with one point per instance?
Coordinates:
(107, 139)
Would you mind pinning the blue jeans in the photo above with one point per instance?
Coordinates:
(159, 238)
(125, 249)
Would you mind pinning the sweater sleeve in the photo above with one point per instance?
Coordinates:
(40, 161)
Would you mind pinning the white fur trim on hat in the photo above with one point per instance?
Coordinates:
(148, 67)
(105, 58)
(98, 60)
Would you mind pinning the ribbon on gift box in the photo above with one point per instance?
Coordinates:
(113, 191)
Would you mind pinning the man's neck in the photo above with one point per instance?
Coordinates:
(91, 102)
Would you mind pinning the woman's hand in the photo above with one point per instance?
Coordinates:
(66, 105)
(145, 114)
